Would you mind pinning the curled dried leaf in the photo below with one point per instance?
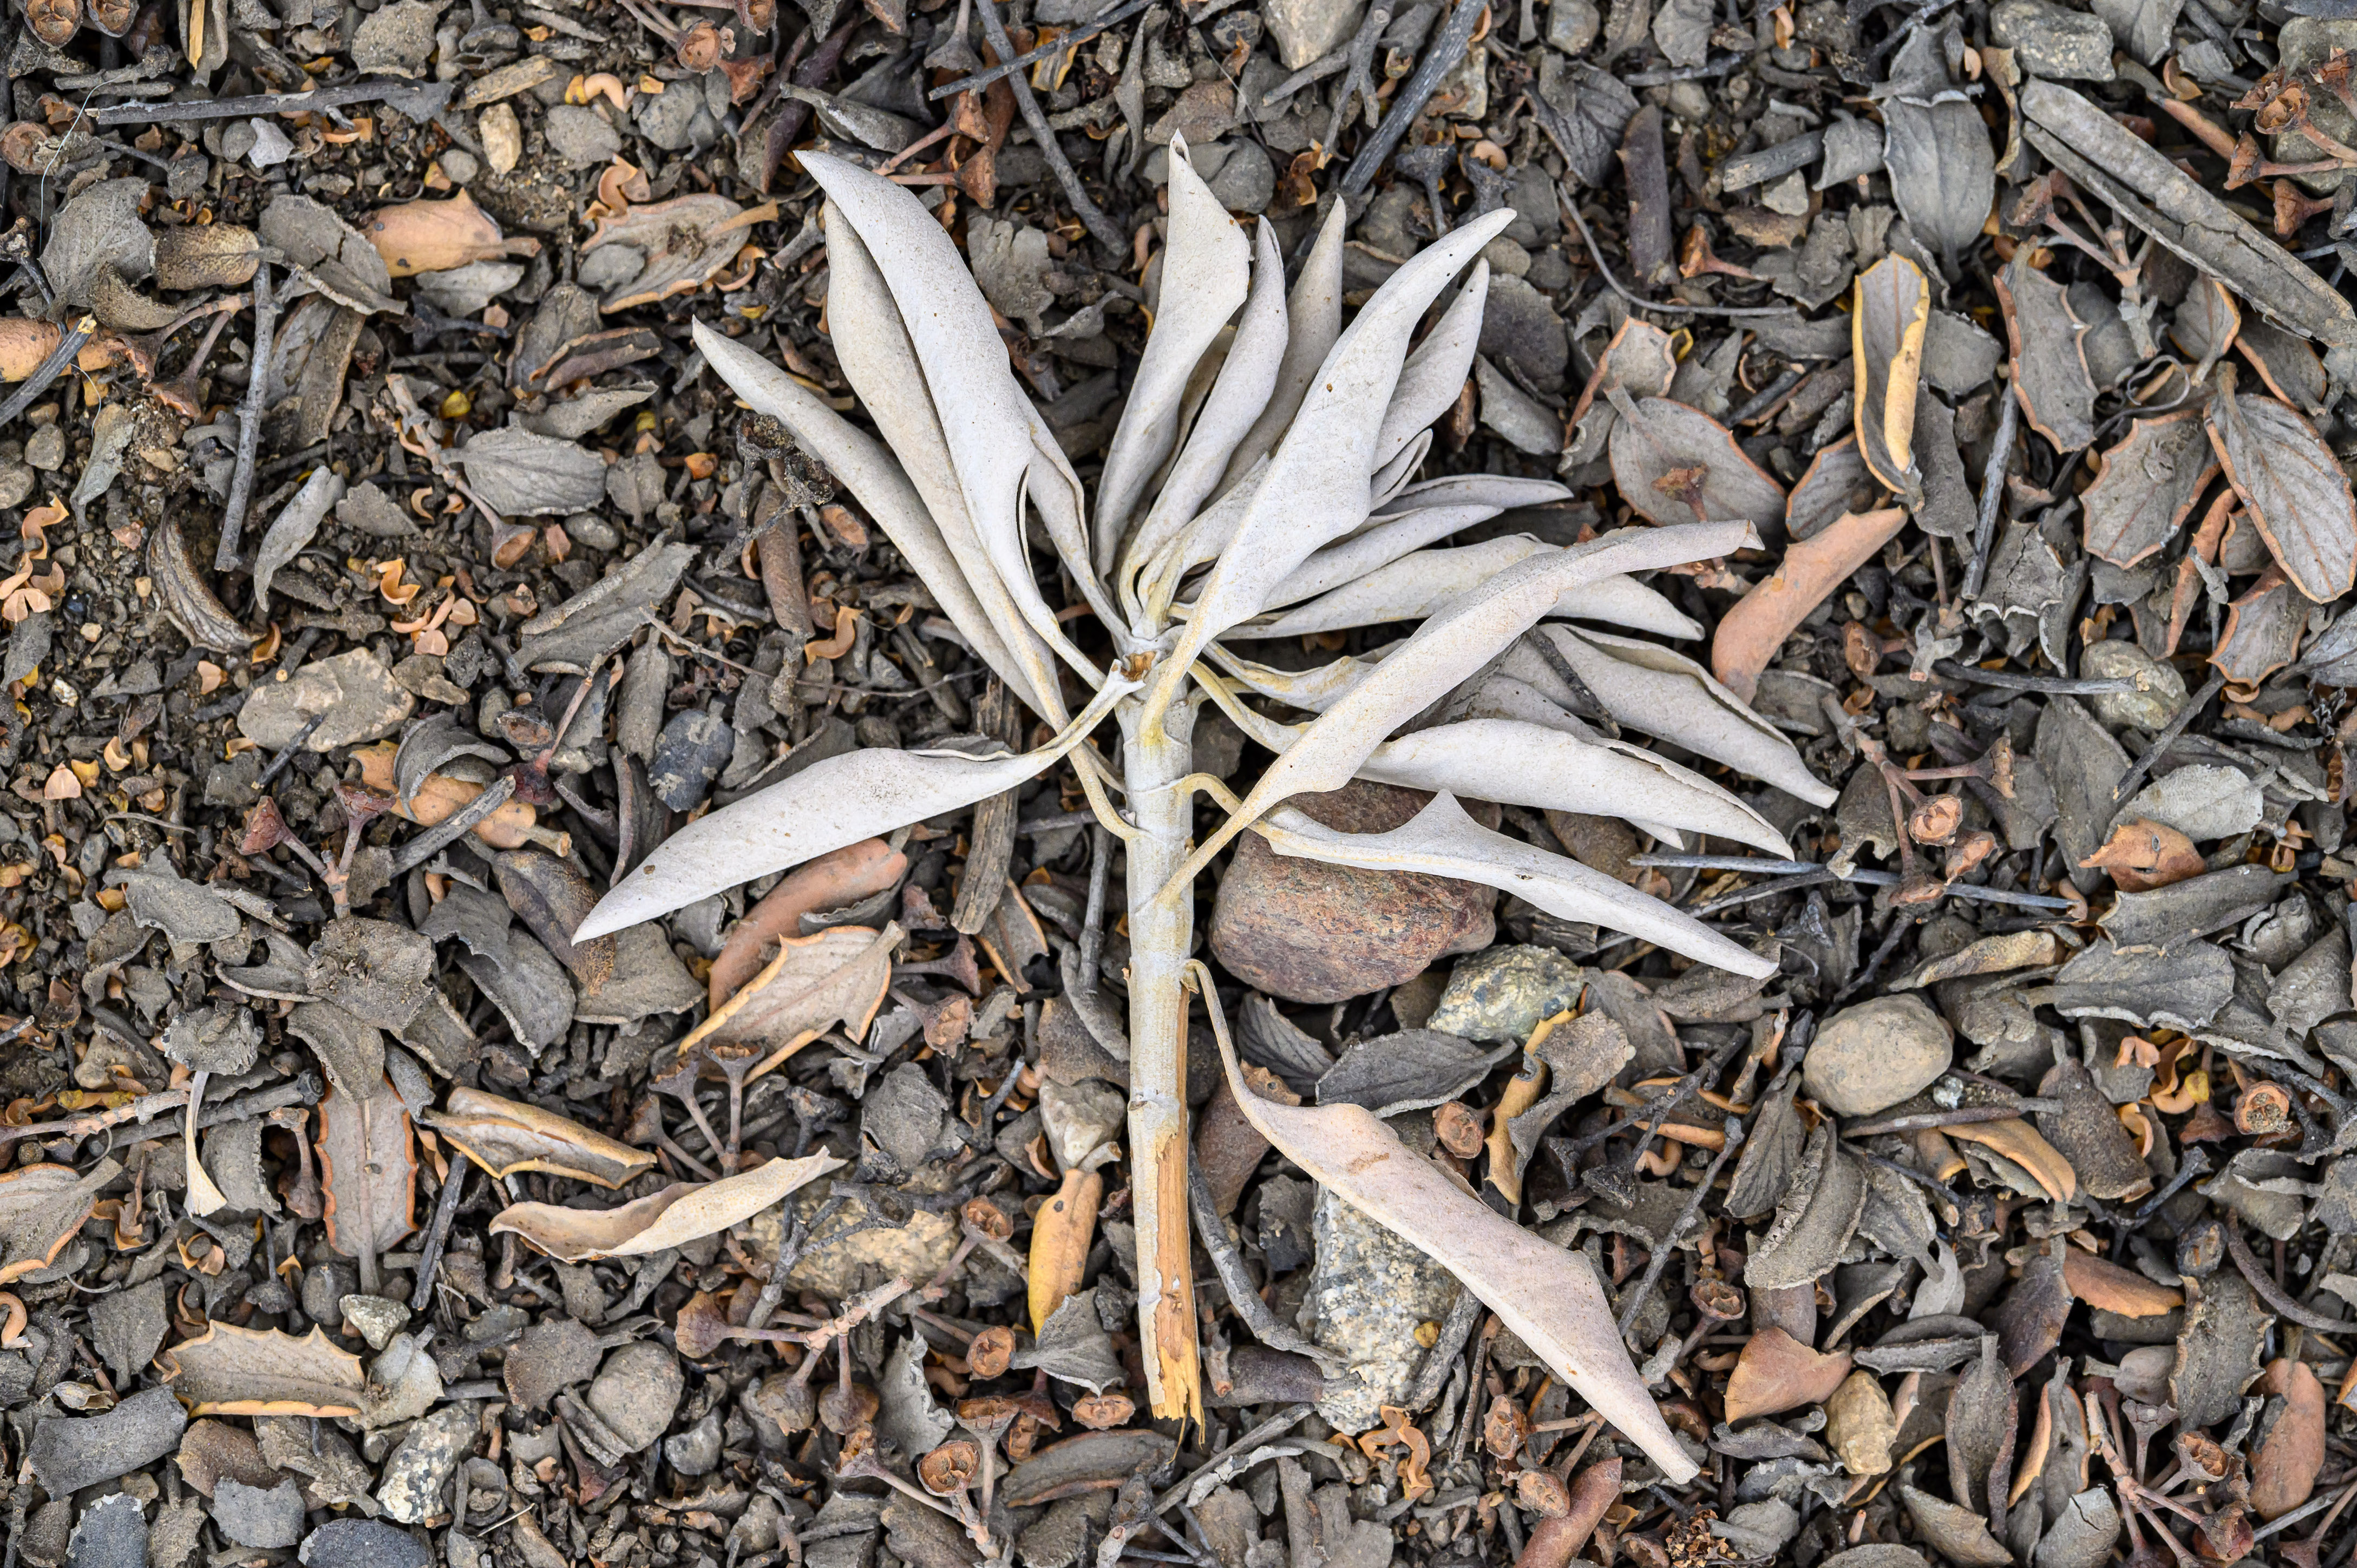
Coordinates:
(505, 1136)
(1889, 315)
(1753, 632)
(680, 1213)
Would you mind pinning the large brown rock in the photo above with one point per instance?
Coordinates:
(1311, 932)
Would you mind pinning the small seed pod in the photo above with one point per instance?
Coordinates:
(844, 1409)
(112, 18)
(991, 1352)
(1102, 1413)
(705, 46)
(987, 1218)
(1716, 1300)
(2263, 1110)
(1936, 820)
(1538, 1492)
(1459, 1130)
(53, 22)
(952, 1467)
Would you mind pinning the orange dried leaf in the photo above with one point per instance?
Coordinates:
(1752, 633)
(1776, 1372)
(2100, 1283)
(2141, 855)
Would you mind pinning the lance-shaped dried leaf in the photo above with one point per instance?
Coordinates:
(2050, 366)
(1420, 584)
(1776, 1374)
(871, 472)
(1462, 637)
(1205, 276)
(505, 1136)
(677, 1215)
(1383, 541)
(680, 245)
(2293, 486)
(1888, 317)
(2184, 989)
(2263, 630)
(1547, 1295)
(1751, 635)
(1942, 169)
(1676, 464)
(230, 1370)
(836, 802)
(41, 1207)
(1649, 688)
(2142, 855)
(2147, 485)
(1442, 841)
(1814, 1219)
(838, 976)
(1980, 1425)
(1958, 1534)
(367, 1169)
(1556, 768)
(1313, 489)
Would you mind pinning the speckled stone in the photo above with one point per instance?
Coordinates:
(1502, 994)
(411, 1492)
(1869, 1057)
(1370, 1293)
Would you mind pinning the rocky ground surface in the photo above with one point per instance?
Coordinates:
(387, 573)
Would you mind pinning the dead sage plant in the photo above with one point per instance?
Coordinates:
(1262, 484)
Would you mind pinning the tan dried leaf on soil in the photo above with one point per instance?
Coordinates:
(229, 1370)
(1776, 1372)
(1548, 1295)
(2147, 485)
(837, 976)
(679, 1214)
(1889, 314)
(2293, 486)
(505, 1136)
(2141, 855)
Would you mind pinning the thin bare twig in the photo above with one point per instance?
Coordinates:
(249, 421)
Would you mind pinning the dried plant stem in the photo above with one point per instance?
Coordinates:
(248, 422)
(1158, 752)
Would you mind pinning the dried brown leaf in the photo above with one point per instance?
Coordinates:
(2292, 485)
(1753, 632)
(839, 975)
(505, 1136)
(2017, 1141)
(1548, 1295)
(2103, 1285)
(2262, 631)
(680, 1213)
(1889, 315)
(1664, 453)
(2290, 1454)
(367, 1170)
(2142, 855)
(2147, 485)
(229, 1370)
(1776, 1372)
(2049, 365)
(41, 1207)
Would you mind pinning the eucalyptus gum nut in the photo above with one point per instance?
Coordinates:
(205, 255)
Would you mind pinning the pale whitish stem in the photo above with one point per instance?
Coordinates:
(1157, 759)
